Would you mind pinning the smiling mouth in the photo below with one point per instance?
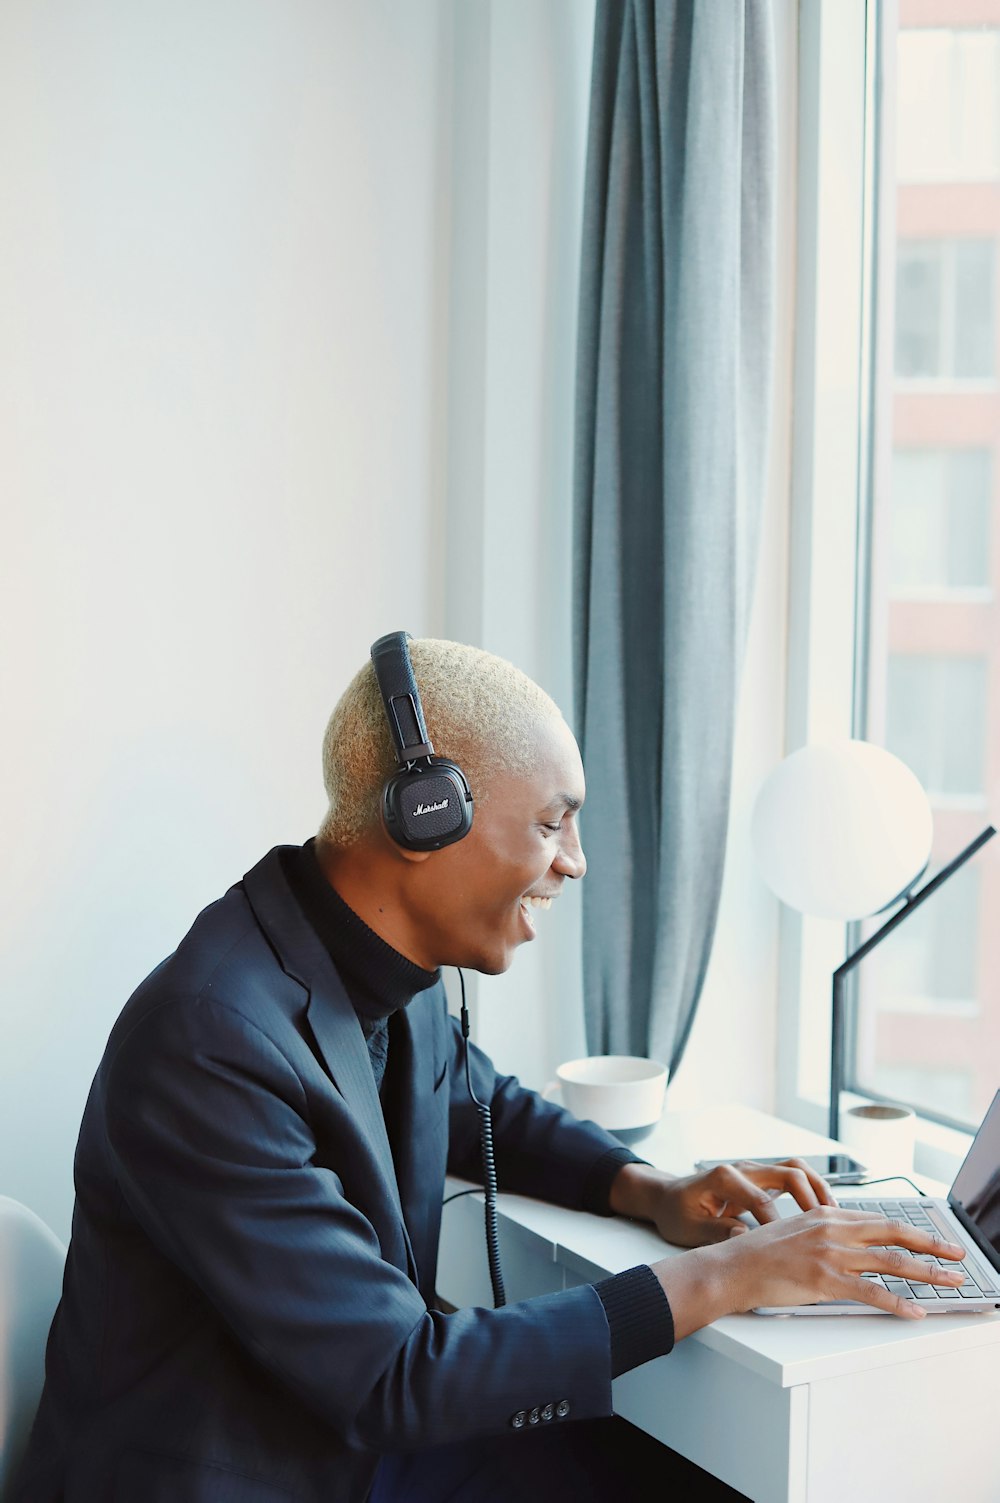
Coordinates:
(528, 907)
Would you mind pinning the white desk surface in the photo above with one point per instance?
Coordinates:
(786, 1351)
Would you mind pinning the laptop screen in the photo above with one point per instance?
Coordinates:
(977, 1184)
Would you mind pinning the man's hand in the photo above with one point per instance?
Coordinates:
(802, 1260)
(705, 1208)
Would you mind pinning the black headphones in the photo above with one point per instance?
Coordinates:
(428, 803)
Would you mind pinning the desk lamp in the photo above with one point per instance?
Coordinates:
(843, 831)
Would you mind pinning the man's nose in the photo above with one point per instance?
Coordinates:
(571, 862)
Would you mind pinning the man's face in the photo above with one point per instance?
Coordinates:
(482, 897)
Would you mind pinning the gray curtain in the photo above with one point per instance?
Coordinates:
(673, 401)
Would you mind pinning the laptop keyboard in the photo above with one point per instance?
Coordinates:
(976, 1285)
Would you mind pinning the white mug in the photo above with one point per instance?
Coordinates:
(617, 1091)
(881, 1136)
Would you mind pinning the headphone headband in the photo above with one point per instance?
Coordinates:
(394, 672)
(427, 802)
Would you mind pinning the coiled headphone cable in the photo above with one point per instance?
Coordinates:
(489, 1166)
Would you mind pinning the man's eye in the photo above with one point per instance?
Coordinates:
(556, 827)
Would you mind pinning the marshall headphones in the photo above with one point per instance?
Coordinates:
(427, 804)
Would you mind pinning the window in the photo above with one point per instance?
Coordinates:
(929, 673)
(896, 509)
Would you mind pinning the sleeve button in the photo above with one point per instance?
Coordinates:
(548, 1411)
(517, 1420)
(562, 1408)
(534, 1416)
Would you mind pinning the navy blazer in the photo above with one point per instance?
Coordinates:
(247, 1306)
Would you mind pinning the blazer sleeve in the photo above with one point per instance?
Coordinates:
(541, 1149)
(209, 1139)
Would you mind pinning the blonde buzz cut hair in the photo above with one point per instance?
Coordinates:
(480, 712)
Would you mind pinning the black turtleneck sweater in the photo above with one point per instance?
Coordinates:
(377, 979)
(379, 982)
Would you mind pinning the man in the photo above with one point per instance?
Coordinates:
(248, 1311)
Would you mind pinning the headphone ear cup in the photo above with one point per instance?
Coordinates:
(429, 807)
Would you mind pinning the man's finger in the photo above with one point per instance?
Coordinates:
(821, 1189)
(785, 1179)
(738, 1189)
(876, 1231)
(870, 1293)
(894, 1263)
(799, 1185)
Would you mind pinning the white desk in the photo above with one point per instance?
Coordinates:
(785, 1410)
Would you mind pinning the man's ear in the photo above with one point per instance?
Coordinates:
(401, 850)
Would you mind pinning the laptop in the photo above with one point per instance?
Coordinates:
(968, 1215)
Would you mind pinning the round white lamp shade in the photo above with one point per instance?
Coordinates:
(840, 830)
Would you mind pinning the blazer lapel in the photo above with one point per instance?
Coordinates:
(420, 1049)
(342, 1044)
(331, 1017)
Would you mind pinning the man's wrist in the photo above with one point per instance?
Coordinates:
(634, 1190)
(699, 1286)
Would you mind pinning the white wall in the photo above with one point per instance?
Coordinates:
(221, 355)
(287, 344)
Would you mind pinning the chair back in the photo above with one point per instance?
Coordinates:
(31, 1271)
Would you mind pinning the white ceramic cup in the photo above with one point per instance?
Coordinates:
(881, 1136)
(619, 1092)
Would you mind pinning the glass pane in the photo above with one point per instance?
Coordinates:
(919, 517)
(936, 719)
(929, 963)
(925, 105)
(967, 529)
(975, 95)
(947, 107)
(927, 1024)
(918, 310)
(940, 520)
(920, 1021)
(975, 325)
(952, 1091)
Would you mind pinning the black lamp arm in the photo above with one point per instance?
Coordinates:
(913, 900)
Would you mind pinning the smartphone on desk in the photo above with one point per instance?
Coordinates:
(836, 1168)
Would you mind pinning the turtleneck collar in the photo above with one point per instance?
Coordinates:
(379, 980)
